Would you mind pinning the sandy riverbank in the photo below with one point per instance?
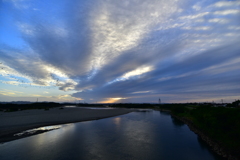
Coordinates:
(15, 122)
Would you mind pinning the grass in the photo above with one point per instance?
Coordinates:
(219, 123)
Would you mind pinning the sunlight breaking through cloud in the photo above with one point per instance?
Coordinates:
(101, 49)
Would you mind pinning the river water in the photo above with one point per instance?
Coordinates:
(150, 135)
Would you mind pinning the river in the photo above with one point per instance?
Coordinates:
(150, 135)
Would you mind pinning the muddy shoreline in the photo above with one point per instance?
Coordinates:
(16, 122)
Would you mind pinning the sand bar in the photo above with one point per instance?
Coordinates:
(15, 122)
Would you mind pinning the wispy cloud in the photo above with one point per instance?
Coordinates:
(104, 49)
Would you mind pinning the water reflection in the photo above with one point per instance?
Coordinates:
(138, 135)
(202, 144)
(37, 130)
(177, 122)
(144, 110)
(164, 113)
(117, 121)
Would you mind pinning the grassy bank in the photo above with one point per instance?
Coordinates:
(219, 123)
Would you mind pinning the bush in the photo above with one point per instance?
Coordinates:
(178, 109)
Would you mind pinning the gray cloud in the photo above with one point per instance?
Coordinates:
(98, 48)
(197, 75)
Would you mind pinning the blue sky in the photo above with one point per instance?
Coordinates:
(106, 51)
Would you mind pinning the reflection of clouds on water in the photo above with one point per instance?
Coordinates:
(138, 137)
(51, 137)
(164, 113)
(117, 121)
(54, 139)
(93, 139)
(32, 131)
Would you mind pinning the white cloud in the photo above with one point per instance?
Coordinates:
(218, 20)
(7, 92)
(36, 73)
(197, 28)
(227, 4)
(132, 74)
(194, 16)
(196, 7)
(202, 28)
(137, 72)
(118, 27)
(140, 92)
(227, 12)
(129, 44)
(65, 97)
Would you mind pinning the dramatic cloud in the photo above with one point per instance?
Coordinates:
(121, 51)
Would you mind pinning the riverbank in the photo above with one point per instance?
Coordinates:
(219, 127)
(15, 122)
(214, 145)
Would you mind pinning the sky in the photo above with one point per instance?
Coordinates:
(128, 51)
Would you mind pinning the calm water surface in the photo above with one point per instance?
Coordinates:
(150, 135)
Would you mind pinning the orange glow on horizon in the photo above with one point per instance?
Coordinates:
(111, 100)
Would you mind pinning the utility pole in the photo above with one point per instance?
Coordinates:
(222, 101)
(159, 101)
